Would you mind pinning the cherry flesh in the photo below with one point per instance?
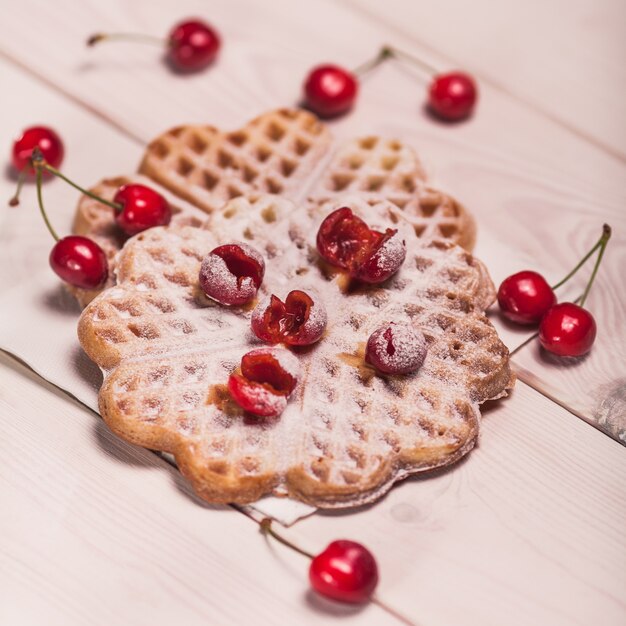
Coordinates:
(396, 349)
(42, 137)
(193, 45)
(345, 571)
(80, 262)
(298, 321)
(232, 274)
(525, 297)
(345, 241)
(452, 96)
(567, 330)
(268, 377)
(140, 207)
(330, 90)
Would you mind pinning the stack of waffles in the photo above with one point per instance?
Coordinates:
(167, 351)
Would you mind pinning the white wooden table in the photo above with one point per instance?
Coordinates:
(530, 528)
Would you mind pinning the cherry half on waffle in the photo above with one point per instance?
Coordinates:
(348, 432)
(285, 152)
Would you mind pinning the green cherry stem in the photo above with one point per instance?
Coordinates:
(388, 52)
(40, 163)
(601, 243)
(98, 37)
(15, 200)
(604, 240)
(41, 207)
(401, 54)
(266, 529)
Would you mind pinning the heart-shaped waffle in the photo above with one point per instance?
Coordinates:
(347, 433)
(285, 152)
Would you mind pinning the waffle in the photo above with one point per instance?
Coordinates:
(290, 153)
(348, 433)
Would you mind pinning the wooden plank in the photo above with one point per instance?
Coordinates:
(562, 58)
(534, 185)
(527, 530)
(96, 531)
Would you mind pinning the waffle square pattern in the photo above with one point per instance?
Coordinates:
(284, 152)
(348, 433)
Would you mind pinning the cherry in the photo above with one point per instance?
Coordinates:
(345, 241)
(139, 208)
(42, 137)
(525, 297)
(80, 262)
(330, 90)
(192, 45)
(232, 274)
(299, 321)
(136, 207)
(345, 571)
(452, 96)
(268, 377)
(396, 348)
(567, 330)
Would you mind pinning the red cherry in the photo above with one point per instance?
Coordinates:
(452, 96)
(80, 262)
(330, 90)
(193, 45)
(525, 297)
(345, 571)
(396, 349)
(344, 240)
(567, 330)
(232, 274)
(299, 321)
(141, 208)
(268, 376)
(42, 137)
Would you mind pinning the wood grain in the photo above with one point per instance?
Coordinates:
(562, 59)
(528, 530)
(96, 531)
(536, 187)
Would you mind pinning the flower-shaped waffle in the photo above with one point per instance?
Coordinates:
(347, 433)
(285, 152)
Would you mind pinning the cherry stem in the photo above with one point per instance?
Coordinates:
(15, 200)
(604, 240)
(98, 37)
(39, 163)
(388, 52)
(266, 528)
(401, 54)
(41, 207)
(601, 243)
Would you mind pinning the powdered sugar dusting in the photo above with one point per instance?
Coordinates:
(396, 348)
(343, 421)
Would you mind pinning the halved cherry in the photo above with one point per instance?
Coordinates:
(268, 377)
(232, 274)
(346, 241)
(298, 321)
